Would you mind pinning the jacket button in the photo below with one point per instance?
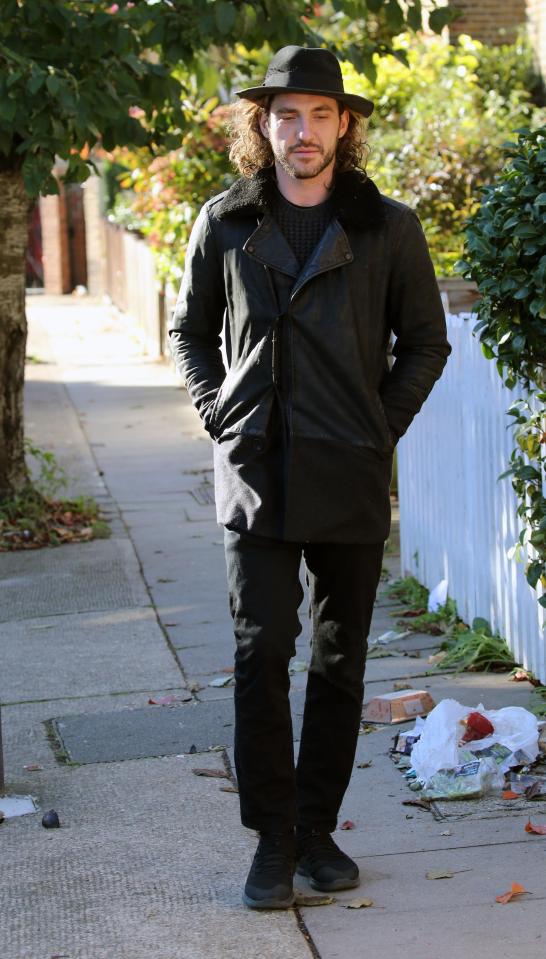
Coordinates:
(250, 248)
(348, 256)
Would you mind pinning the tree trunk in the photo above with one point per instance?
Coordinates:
(14, 211)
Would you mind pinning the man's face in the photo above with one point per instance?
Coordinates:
(304, 130)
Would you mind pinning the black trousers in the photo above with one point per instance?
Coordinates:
(264, 594)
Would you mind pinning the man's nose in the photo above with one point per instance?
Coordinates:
(304, 129)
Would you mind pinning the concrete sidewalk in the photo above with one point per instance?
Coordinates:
(150, 860)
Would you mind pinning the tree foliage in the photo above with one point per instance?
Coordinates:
(435, 158)
(76, 73)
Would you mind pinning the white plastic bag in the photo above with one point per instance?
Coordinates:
(437, 748)
(467, 781)
(514, 727)
(437, 596)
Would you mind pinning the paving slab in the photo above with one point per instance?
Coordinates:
(137, 870)
(88, 652)
(426, 919)
(102, 574)
(151, 731)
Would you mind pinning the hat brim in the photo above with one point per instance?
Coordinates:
(350, 100)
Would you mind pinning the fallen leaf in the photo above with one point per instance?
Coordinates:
(421, 803)
(213, 773)
(538, 830)
(162, 701)
(509, 794)
(194, 686)
(165, 579)
(436, 658)
(516, 890)
(400, 685)
(229, 789)
(520, 675)
(439, 874)
(410, 613)
(365, 765)
(348, 824)
(535, 789)
(303, 900)
(446, 832)
(359, 903)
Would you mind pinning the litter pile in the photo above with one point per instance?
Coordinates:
(460, 753)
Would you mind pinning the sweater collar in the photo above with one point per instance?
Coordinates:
(356, 200)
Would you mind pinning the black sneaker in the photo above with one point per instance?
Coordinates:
(324, 864)
(270, 880)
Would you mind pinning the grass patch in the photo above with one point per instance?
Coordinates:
(476, 650)
(37, 516)
(444, 620)
(465, 648)
(409, 592)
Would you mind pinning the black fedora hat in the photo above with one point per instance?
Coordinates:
(306, 70)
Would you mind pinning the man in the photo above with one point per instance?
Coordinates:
(308, 269)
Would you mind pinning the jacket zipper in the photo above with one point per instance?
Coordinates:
(279, 329)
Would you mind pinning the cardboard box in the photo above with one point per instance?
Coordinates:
(400, 707)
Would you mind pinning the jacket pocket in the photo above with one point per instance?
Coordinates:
(244, 400)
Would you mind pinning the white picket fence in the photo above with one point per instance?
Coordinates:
(457, 521)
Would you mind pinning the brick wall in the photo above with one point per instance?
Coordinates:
(55, 254)
(491, 21)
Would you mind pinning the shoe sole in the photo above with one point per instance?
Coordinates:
(268, 903)
(334, 886)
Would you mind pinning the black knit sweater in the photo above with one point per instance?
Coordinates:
(303, 226)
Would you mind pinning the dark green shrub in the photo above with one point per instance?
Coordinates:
(505, 255)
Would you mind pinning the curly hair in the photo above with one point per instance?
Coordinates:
(250, 151)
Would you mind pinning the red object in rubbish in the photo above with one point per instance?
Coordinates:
(477, 727)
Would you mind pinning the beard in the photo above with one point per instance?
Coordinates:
(308, 169)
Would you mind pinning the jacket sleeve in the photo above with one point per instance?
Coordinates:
(417, 317)
(196, 325)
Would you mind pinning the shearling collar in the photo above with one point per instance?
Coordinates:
(357, 201)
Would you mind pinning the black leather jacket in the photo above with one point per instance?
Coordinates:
(306, 419)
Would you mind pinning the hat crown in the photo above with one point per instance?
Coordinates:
(312, 70)
(308, 60)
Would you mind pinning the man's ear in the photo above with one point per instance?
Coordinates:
(343, 123)
(264, 123)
